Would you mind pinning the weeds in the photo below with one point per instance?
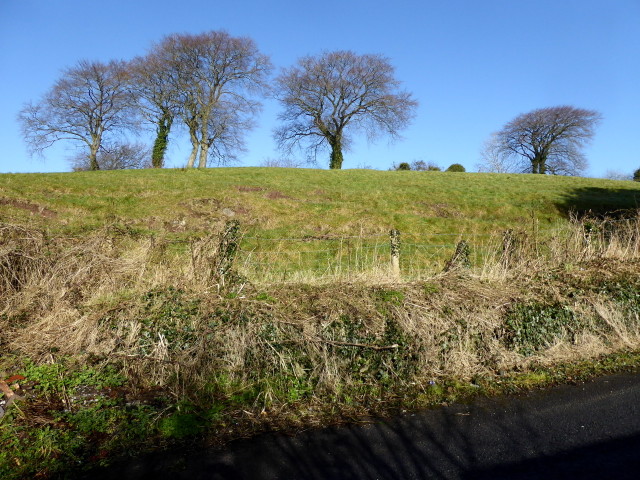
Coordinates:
(120, 338)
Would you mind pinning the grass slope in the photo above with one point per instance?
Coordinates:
(285, 202)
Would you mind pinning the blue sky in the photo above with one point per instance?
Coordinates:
(473, 65)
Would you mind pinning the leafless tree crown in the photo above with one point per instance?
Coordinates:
(216, 76)
(89, 101)
(116, 156)
(323, 95)
(549, 139)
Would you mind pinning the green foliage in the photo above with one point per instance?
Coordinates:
(265, 297)
(430, 289)
(393, 297)
(55, 378)
(636, 175)
(626, 294)
(71, 427)
(180, 425)
(456, 167)
(377, 357)
(403, 166)
(162, 140)
(532, 327)
(167, 313)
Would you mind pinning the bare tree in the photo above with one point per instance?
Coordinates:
(283, 162)
(154, 81)
(90, 101)
(495, 159)
(216, 75)
(324, 95)
(617, 175)
(115, 156)
(551, 139)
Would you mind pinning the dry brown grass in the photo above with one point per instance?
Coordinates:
(167, 317)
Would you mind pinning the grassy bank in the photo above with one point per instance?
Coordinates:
(131, 317)
(117, 344)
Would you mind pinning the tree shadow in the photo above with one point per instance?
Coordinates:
(600, 202)
(527, 437)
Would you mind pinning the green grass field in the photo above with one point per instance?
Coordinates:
(298, 223)
(296, 202)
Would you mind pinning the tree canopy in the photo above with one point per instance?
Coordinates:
(216, 75)
(89, 102)
(326, 96)
(550, 140)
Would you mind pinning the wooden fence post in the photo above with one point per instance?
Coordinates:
(394, 236)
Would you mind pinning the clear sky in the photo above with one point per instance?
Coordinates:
(472, 64)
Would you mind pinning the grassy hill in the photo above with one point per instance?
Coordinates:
(286, 202)
(303, 223)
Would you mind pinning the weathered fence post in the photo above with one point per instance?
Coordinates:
(508, 247)
(227, 248)
(394, 236)
(460, 258)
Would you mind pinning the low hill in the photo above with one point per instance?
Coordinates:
(284, 202)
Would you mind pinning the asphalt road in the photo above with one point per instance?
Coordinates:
(585, 432)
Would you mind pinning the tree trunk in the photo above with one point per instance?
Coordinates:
(204, 143)
(194, 147)
(93, 162)
(204, 152)
(162, 140)
(93, 154)
(336, 158)
(538, 164)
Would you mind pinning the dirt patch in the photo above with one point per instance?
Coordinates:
(248, 188)
(34, 208)
(275, 195)
(442, 210)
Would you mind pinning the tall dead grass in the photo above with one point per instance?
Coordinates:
(180, 316)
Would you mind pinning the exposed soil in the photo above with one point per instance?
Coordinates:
(275, 195)
(34, 208)
(248, 188)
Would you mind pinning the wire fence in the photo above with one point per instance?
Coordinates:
(283, 259)
(423, 254)
(409, 255)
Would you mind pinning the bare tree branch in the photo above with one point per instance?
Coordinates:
(115, 156)
(217, 75)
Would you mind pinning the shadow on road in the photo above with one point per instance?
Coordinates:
(590, 431)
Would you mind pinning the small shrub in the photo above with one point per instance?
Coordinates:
(403, 166)
(532, 327)
(393, 297)
(456, 167)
